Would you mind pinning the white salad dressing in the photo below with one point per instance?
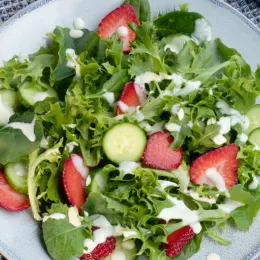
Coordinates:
(172, 127)
(144, 125)
(20, 170)
(139, 115)
(6, 112)
(122, 31)
(196, 228)
(125, 108)
(26, 128)
(139, 90)
(118, 230)
(129, 244)
(213, 256)
(242, 137)
(212, 121)
(179, 211)
(202, 31)
(75, 34)
(229, 205)
(40, 96)
(72, 61)
(129, 233)
(79, 23)
(110, 98)
(233, 117)
(254, 184)
(74, 217)
(181, 114)
(56, 216)
(88, 180)
(71, 146)
(177, 43)
(71, 125)
(117, 255)
(128, 167)
(166, 184)
(216, 179)
(99, 235)
(190, 86)
(80, 166)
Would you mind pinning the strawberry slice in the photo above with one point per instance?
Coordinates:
(74, 179)
(132, 96)
(177, 241)
(101, 250)
(217, 168)
(117, 22)
(159, 155)
(11, 199)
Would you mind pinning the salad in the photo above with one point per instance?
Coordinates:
(132, 141)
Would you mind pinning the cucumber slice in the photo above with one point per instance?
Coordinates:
(99, 181)
(9, 98)
(8, 102)
(254, 137)
(123, 250)
(29, 95)
(124, 142)
(254, 118)
(16, 175)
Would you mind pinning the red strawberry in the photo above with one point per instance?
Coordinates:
(120, 17)
(223, 160)
(159, 155)
(102, 250)
(11, 199)
(177, 241)
(133, 96)
(74, 179)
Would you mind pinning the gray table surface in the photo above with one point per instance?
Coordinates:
(250, 8)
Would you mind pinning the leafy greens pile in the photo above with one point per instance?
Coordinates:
(79, 112)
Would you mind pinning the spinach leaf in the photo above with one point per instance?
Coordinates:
(14, 145)
(142, 8)
(176, 22)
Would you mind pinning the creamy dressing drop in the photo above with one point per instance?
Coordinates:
(71, 146)
(213, 256)
(88, 180)
(56, 216)
(202, 31)
(110, 98)
(26, 128)
(179, 211)
(196, 228)
(6, 112)
(80, 166)
(177, 43)
(128, 167)
(197, 197)
(229, 205)
(216, 179)
(254, 184)
(74, 217)
(129, 233)
(166, 184)
(172, 127)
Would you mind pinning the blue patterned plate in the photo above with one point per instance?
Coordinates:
(20, 238)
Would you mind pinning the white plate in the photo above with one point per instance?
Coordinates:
(20, 237)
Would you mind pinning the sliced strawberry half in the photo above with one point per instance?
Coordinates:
(216, 168)
(158, 153)
(102, 250)
(74, 179)
(177, 241)
(132, 96)
(119, 18)
(11, 199)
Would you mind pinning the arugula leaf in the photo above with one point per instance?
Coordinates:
(142, 8)
(14, 145)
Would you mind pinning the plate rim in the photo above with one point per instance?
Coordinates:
(3, 248)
